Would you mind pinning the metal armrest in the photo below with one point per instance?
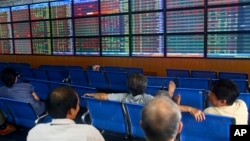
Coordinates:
(84, 117)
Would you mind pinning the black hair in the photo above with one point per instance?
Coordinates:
(225, 89)
(8, 76)
(61, 100)
(137, 84)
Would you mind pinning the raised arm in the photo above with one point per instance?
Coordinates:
(198, 114)
(100, 96)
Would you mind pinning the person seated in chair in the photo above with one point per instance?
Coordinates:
(63, 106)
(223, 99)
(20, 91)
(161, 119)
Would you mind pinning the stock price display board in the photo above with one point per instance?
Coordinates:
(20, 13)
(39, 11)
(227, 27)
(85, 8)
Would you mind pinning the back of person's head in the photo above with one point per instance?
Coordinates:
(61, 100)
(161, 119)
(225, 89)
(137, 84)
(162, 93)
(8, 76)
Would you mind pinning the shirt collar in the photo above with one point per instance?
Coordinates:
(63, 121)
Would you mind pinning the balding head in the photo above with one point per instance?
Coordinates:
(161, 119)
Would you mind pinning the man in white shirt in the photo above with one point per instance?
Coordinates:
(63, 106)
(223, 100)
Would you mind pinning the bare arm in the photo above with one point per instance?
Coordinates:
(100, 96)
(198, 114)
(35, 96)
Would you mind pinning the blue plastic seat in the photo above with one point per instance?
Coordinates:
(78, 77)
(159, 81)
(134, 114)
(203, 74)
(113, 68)
(97, 79)
(40, 74)
(42, 88)
(214, 128)
(232, 75)
(195, 83)
(23, 113)
(177, 73)
(152, 90)
(131, 70)
(192, 97)
(117, 81)
(107, 116)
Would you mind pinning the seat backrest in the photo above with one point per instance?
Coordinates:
(113, 68)
(107, 115)
(117, 81)
(22, 112)
(232, 75)
(72, 67)
(81, 90)
(192, 97)
(42, 88)
(26, 72)
(134, 114)
(203, 74)
(178, 73)
(78, 77)
(152, 90)
(195, 83)
(40, 74)
(159, 81)
(131, 70)
(4, 107)
(97, 79)
(55, 75)
(214, 128)
(242, 84)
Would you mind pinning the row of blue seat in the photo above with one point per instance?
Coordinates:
(170, 72)
(125, 121)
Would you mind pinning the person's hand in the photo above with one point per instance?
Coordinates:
(177, 99)
(89, 95)
(198, 114)
(171, 88)
(35, 96)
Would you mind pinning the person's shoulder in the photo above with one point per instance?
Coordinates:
(23, 84)
(210, 109)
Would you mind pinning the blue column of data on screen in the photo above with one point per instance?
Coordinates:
(229, 45)
(61, 9)
(115, 46)
(22, 46)
(183, 3)
(185, 45)
(235, 18)
(218, 2)
(39, 11)
(113, 6)
(85, 8)
(146, 5)
(20, 13)
(4, 15)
